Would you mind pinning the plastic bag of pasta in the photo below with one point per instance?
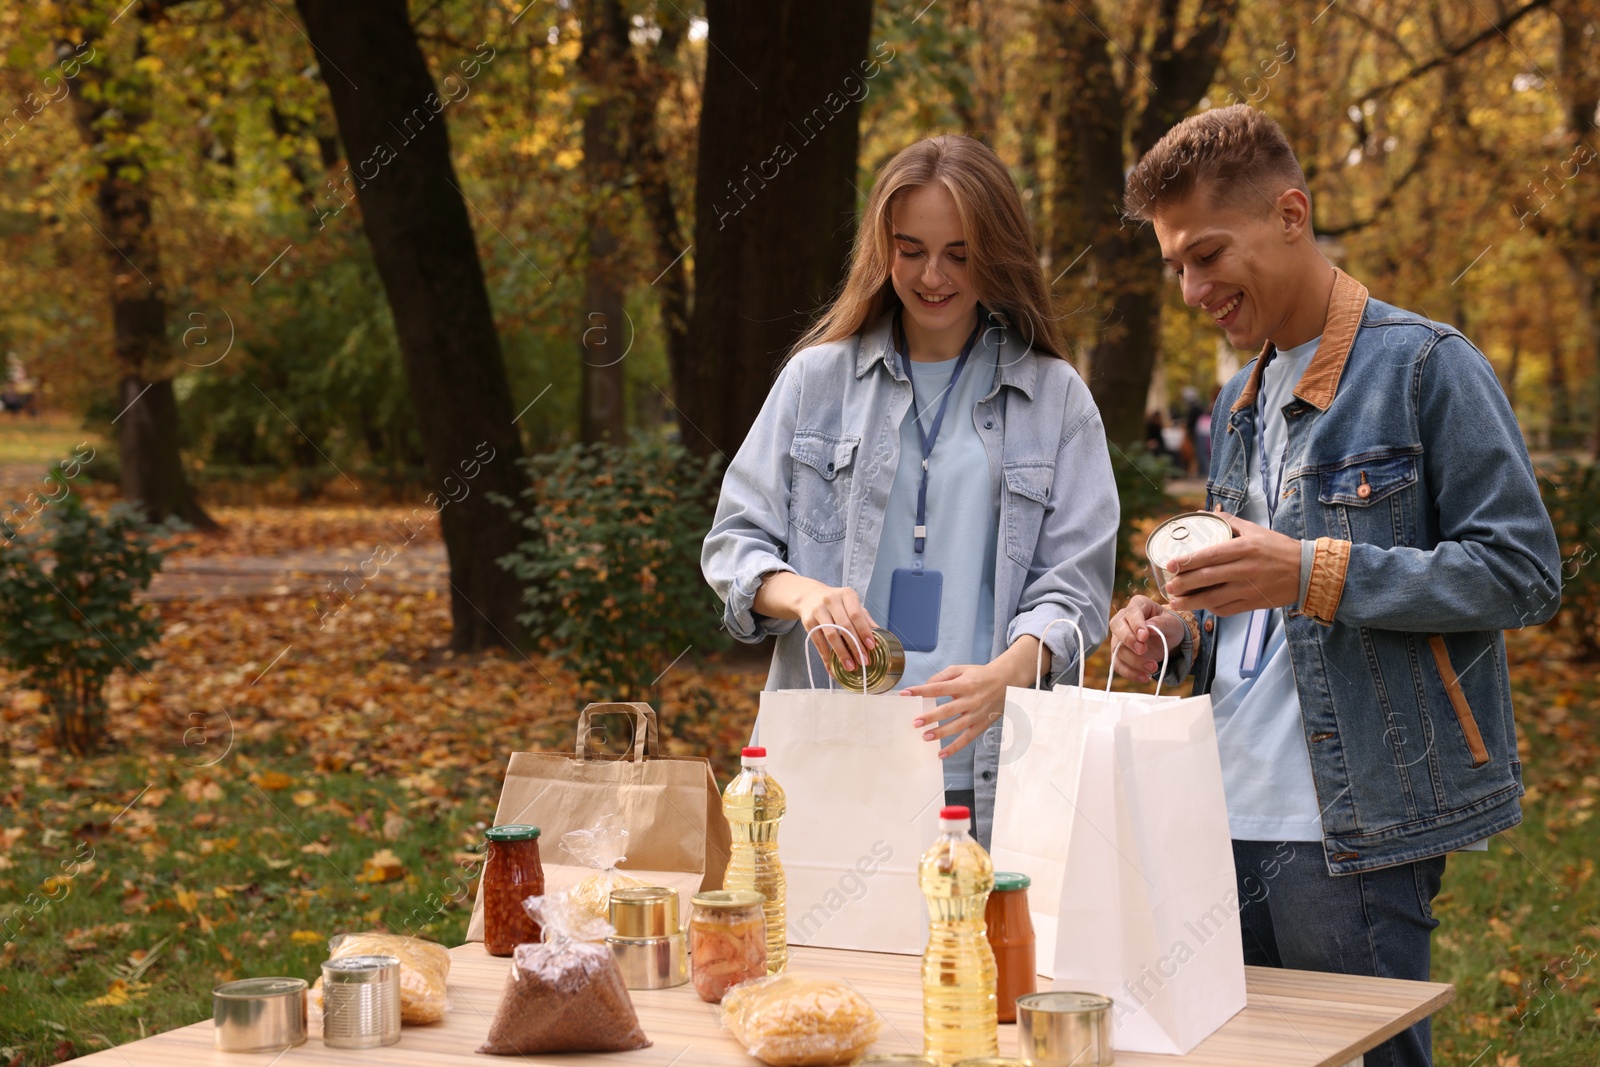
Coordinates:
(798, 1020)
(424, 969)
(602, 846)
(565, 993)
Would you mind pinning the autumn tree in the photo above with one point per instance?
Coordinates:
(112, 114)
(774, 199)
(1111, 106)
(388, 110)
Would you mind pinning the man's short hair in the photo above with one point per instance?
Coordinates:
(1237, 155)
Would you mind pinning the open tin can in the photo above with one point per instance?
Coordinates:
(1178, 537)
(886, 664)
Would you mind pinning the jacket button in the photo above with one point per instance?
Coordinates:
(1211, 624)
(830, 468)
(989, 425)
(1363, 490)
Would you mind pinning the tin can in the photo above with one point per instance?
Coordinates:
(1064, 1029)
(650, 945)
(361, 1001)
(259, 1014)
(1179, 536)
(886, 663)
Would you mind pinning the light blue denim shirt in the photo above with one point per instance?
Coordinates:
(808, 490)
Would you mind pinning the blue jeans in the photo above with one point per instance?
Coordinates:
(1294, 914)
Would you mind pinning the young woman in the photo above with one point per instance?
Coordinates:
(928, 461)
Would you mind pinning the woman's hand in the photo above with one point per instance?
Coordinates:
(1133, 629)
(978, 695)
(786, 595)
(977, 692)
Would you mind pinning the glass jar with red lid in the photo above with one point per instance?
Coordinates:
(512, 874)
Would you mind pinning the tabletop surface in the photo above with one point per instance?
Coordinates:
(1293, 1019)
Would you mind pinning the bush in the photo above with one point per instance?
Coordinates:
(67, 615)
(612, 571)
(1571, 493)
(1141, 490)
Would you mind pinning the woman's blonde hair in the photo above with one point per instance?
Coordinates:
(1001, 259)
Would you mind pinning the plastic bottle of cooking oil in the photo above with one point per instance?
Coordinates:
(754, 805)
(958, 971)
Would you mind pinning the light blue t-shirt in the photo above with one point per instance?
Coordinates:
(1266, 769)
(963, 526)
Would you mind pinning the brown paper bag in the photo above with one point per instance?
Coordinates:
(677, 835)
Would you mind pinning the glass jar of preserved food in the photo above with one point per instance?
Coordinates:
(727, 941)
(1011, 938)
(512, 874)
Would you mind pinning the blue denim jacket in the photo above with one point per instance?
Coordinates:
(1406, 464)
(808, 490)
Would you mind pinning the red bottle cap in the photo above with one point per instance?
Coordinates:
(756, 752)
(955, 811)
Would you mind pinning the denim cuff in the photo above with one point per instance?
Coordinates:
(740, 617)
(1326, 586)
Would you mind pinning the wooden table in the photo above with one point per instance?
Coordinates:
(1293, 1019)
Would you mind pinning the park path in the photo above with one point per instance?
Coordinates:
(415, 569)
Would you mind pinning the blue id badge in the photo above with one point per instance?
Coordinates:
(1255, 643)
(914, 597)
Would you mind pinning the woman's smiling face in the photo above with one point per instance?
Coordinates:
(930, 262)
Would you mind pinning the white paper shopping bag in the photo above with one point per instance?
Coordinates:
(1149, 911)
(1042, 741)
(863, 797)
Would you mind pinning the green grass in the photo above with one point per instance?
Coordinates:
(46, 439)
(213, 876)
(1519, 927)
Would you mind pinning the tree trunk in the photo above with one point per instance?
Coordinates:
(416, 221)
(147, 421)
(1092, 128)
(647, 158)
(774, 199)
(606, 336)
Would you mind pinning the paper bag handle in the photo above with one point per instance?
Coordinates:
(1038, 660)
(860, 654)
(1166, 650)
(646, 740)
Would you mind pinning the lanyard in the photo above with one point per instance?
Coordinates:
(928, 438)
(1268, 491)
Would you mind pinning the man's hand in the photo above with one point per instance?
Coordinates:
(1259, 568)
(1133, 628)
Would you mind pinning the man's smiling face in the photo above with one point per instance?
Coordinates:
(1239, 265)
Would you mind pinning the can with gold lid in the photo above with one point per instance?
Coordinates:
(886, 664)
(1179, 536)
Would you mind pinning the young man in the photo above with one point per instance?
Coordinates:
(1388, 529)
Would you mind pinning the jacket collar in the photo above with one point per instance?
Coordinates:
(1321, 379)
(877, 346)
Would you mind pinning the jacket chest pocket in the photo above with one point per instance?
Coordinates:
(1370, 499)
(1027, 491)
(819, 487)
